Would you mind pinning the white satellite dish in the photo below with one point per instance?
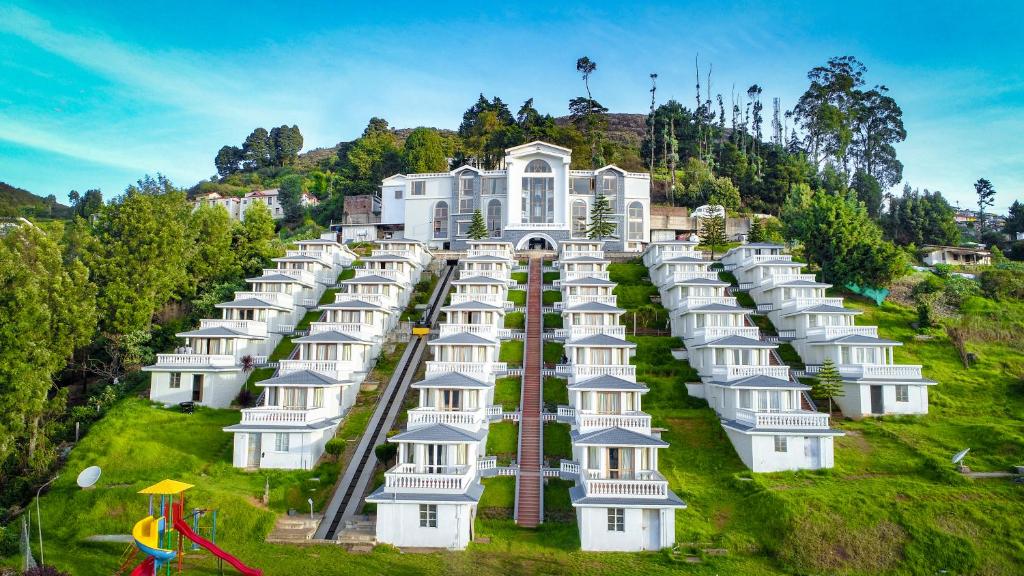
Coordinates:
(88, 477)
(960, 455)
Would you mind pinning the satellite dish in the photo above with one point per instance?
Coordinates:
(960, 455)
(88, 477)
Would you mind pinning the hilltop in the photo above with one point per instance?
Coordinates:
(15, 201)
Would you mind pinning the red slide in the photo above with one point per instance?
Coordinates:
(183, 528)
(144, 569)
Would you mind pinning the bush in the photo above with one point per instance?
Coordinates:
(8, 541)
(943, 270)
(44, 571)
(1001, 284)
(930, 285)
(335, 447)
(959, 289)
(385, 452)
(245, 398)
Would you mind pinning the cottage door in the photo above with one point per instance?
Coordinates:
(652, 529)
(253, 460)
(811, 451)
(876, 400)
(197, 387)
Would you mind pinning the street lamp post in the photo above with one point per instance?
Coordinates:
(39, 518)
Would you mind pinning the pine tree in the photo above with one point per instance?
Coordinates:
(601, 224)
(756, 233)
(712, 233)
(829, 384)
(478, 228)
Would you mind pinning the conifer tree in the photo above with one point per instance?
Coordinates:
(478, 228)
(829, 384)
(712, 233)
(756, 233)
(601, 224)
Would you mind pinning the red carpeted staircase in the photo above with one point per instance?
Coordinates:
(528, 496)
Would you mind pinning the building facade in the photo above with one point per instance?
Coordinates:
(536, 201)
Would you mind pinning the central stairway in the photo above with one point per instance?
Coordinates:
(529, 511)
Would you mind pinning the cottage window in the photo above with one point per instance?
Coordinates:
(419, 187)
(583, 185)
(398, 194)
(465, 194)
(610, 186)
(636, 221)
(494, 218)
(281, 442)
(441, 220)
(902, 393)
(745, 399)
(318, 398)
(579, 219)
(781, 444)
(538, 166)
(175, 379)
(616, 519)
(493, 186)
(428, 515)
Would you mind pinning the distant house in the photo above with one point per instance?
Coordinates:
(236, 206)
(956, 256)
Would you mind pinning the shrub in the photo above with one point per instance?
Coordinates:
(943, 270)
(44, 571)
(385, 452)
(8, 541)
(245, 398)
(958, 289)
(929, 285)
(335, 447)
(1000, 284)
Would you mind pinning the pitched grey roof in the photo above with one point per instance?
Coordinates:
(302, 378)
(600, 340)
(282, 278)
(386, 258)
(741, 427)
(439, 433)
(297, 258)
(823, 309)
(217, 332)
(462, 338)
(734, 340)
(353, 305)
(472, 305)
(479, 280)
(588, 281)
(761, 381)
(330, 336)
(593, 307)
(718, 308)
(805, 283)
(451, 380)
(760, 245)
(579, 498)
(483, 258)
(472, 494)
(685, 259)
(857, 339)
(317, 241)
(706, 281)
(370, 279)
(616, 437)
(250, 303)
(290, 426)
(606, 382)
(583, 259)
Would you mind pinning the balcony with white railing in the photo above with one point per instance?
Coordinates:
(570, 254)
(485, 330)
(576, 300)
(690, 302)
(197, 361)
(638, 484)
(278, 415)
(778, 279)
(583, 371)
(735, 372)
(800, 419)
(569, 467)
(480, 370)
(250, 327)
(390, 274)
(679, 277)
(876, 371)
(357, 329)
(709, 333)
(821, 333)
(755, 259)
(338, 369)
(567, 276)
(486, 463)
(378, 299)
(275, 298)
(536, 226)
(801, 303)
(327, 277)
(492, 299)
(302, 275)
(636, 421)
(576, 332)
(466, 419)
(413, 478)
(507, 254)
(504, 274)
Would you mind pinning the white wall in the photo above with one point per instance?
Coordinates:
(304, 449)
(595, 536)
(399, 524)
(219, 388)
(392, 210)
(757, 451)
(856, 401)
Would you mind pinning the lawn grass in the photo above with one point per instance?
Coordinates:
(503, 441)
(328, 296)
(633, 297)
(549, 297)
(553, 352)
(745, 300)
(515, 320)
(556, 443)
(257, 375)
(550, 277)
(511, 352)
(308, 318)
(521, 277)
(556, 497)
(499, 497)
(507, 392)
(764, 324)
(555, 392)
(790, 356)
(517, 297)
(628, 273)
(347, 274)
(552, 320)
(282, 350)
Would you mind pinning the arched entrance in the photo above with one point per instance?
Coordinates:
(537, 241)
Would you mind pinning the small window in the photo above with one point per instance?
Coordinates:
(781, 444)
(398, 194)
(538, 166)
(428, 515)
(419, 187)
(175, 379)
(902, 393)
(616, 519)
(318, 398)
(281, 442)
(583, 185)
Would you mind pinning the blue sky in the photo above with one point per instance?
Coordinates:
(98, 94)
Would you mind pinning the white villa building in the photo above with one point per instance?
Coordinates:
(535, 201)
(622, 502)
(237, 205)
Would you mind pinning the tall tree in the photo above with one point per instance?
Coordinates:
(47, 309)
(712, 233)
(586, 67)
(1015, 220)
(601, 223)
(877, 126)
(478, 228)
(986, 192)
(255, 242)
(651, 119)
(212, 260)
(228, 160)
(424, 152)
(256, 150)
(285, 144)
(289, 194)
(869, 191)
(920, 218)
(829, 383)
(826, 109)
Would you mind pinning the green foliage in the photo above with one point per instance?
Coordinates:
(712, 233)
(1002, 284)
(511, 352)
(424, 152)
(289, 194)
(986, 196)
(768, 229)
(601, 223)
(507, 392)
(515, 320)
(549, 297)
(255, 242)
(370, 159)
(553, 352)
(829, 383)
(214, 260)
(552, 320)
(478, 228)
(920, 218)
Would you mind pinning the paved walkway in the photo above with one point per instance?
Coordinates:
(529, 511)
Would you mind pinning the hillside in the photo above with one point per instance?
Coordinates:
(16, 201)
(623, 128)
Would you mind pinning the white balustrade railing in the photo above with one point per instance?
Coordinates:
(196, 360)
(569, 467)
(304, 276)
(506, 254)
(761, 258)
(566, 411)
(486, 330)
(436, 478)
(487, 463)
(462, 418)
(680, 277)
(278, 415)
(777, 279)
(691, 302)
(627, 371)
(396, 275)
(796, 419)
(655, 487)
(486, 369)
(880, 371)
(801, 303)
(352, 328)
(569, 254)
(735, 372)
(832, 332)
(575, 300)
(335, 368)
(615, 330)
(568, 276)
(715, 332)
(276, 298)
(495, 410)
(378, 299)
(492, 299)
(469, 271)
(636, 421)
(252, 327)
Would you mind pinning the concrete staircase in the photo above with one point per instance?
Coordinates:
(529, 508)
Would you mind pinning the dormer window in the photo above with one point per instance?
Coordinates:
(538, 166)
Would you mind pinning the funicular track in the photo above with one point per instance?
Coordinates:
(358, 474)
